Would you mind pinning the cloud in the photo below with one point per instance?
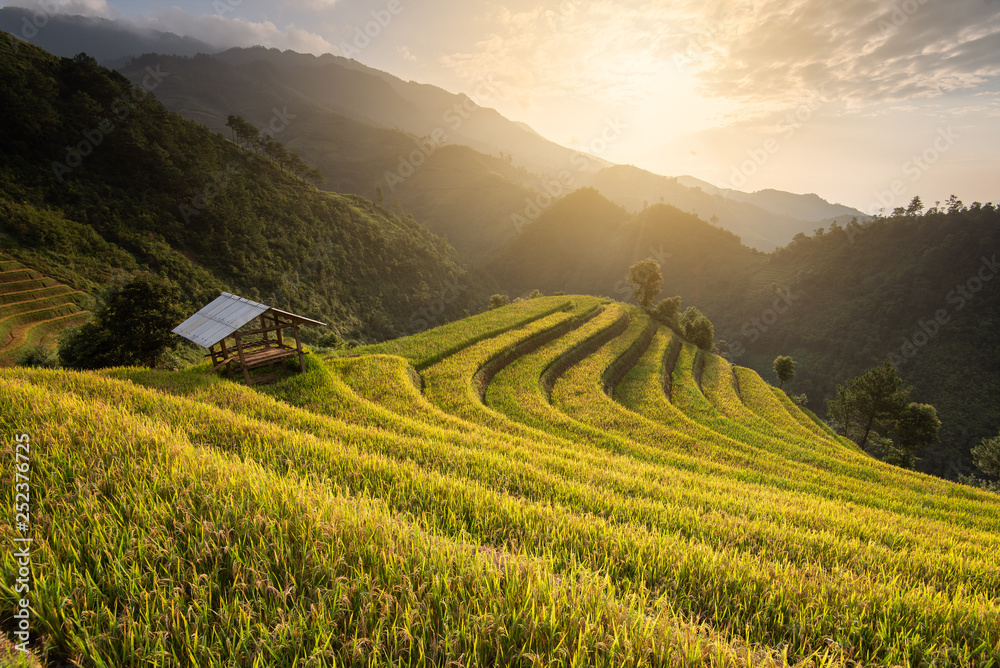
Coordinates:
(861, 51)
(224, 32)
(762, 54)
(603, 50)
(94, 8)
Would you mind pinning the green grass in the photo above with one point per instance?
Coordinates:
(517, 488)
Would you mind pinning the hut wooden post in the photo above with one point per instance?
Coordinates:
(225, 354)
(243, 362)
(298, 346)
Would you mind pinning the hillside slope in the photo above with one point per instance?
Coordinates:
(360, 124)
(98, 178)
(920, 290)
(555, 482)
(458, 192)
(585, 243)
(34, 309)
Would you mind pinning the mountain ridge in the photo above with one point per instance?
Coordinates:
(149, 190)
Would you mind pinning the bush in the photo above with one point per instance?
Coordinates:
(986, 455)
(40, 356)
(697, 328)
(132, 327)
(700, 332)
(535, 294)
(498, 300)
(666, 311)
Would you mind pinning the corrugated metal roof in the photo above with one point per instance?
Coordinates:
(300, 318)
(219, 319)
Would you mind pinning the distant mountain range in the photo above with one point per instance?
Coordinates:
(764, 220)
(112, 43)
(370, 130)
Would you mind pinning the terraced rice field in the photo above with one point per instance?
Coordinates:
(557, 482)
(33, 310)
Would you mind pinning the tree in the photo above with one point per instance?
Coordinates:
(276, 151)
(666, 311)
(690, 314)
(299, 167)
(873, 400)
(645, 280)
(916, 427)
(498, 300)
(535, 294)
(915, 207)
(379, 195)
(244, 132)
(986, 455)
(131, 327)
(700, 332)
(784, 369)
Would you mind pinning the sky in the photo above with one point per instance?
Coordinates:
(864, 102)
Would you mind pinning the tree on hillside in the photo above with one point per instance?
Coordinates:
(666, 311)
(275, 150)
(645, 280)
(700, 332)
(690, 314)
(244, 132)
(873, 406)
(986, 455)
(696, 328)
(784, 369)
(299, 167)
(915, 207)
(499, 299)
(132, 327)
(917, 426)
(869, 402)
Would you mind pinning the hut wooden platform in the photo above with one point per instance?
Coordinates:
(219, 327)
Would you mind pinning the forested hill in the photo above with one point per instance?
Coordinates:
(921, 290)
(838, 302)
(585, 244)
(97, 178)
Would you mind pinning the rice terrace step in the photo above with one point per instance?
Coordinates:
(34, 309)
(545, 477)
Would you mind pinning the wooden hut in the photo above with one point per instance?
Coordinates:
(220, 328)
